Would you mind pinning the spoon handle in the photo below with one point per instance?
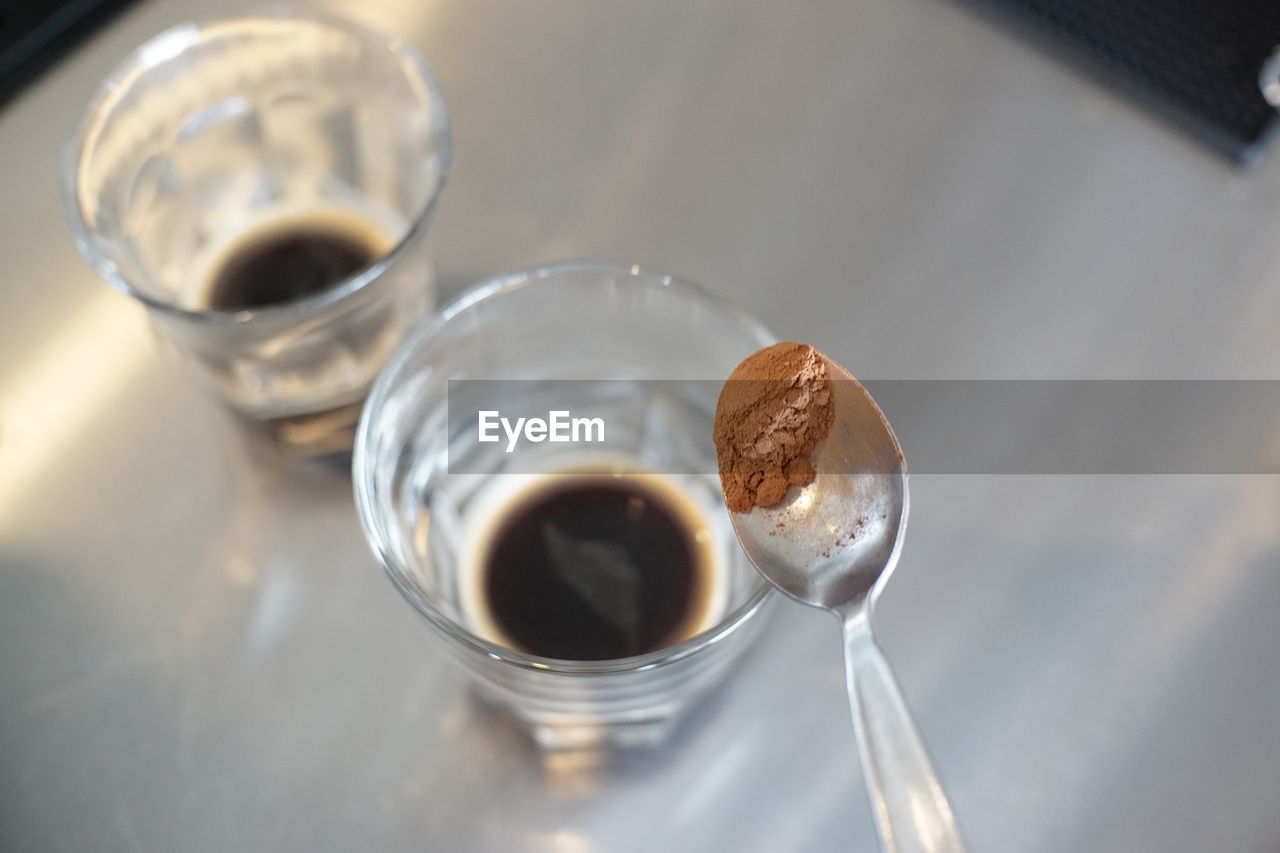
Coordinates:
(912, 813)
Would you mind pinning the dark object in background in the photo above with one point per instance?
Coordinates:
(1195, 61)
(34, 33)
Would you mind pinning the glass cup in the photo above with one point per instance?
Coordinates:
(617, 335)
(211, 131)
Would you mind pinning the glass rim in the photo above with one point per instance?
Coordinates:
(374, 528)
(88, 124)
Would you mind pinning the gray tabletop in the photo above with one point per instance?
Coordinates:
(198, 653)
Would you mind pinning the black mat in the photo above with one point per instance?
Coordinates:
(1195, 61)
(34, 33)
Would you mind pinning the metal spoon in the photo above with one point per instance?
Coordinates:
(833, 544)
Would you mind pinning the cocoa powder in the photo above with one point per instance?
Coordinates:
(772, 411)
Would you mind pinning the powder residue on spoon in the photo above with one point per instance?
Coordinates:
(773, 410)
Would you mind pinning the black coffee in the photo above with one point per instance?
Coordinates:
(289, 262)
(595, 568)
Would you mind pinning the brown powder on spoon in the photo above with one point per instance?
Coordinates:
(773, 410)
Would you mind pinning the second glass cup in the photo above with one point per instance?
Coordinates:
(644, 353)
(268, 127)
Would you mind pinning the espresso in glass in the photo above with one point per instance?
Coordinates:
(595, 566)
(288, 258)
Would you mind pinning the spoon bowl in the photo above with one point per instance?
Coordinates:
(835, 542)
